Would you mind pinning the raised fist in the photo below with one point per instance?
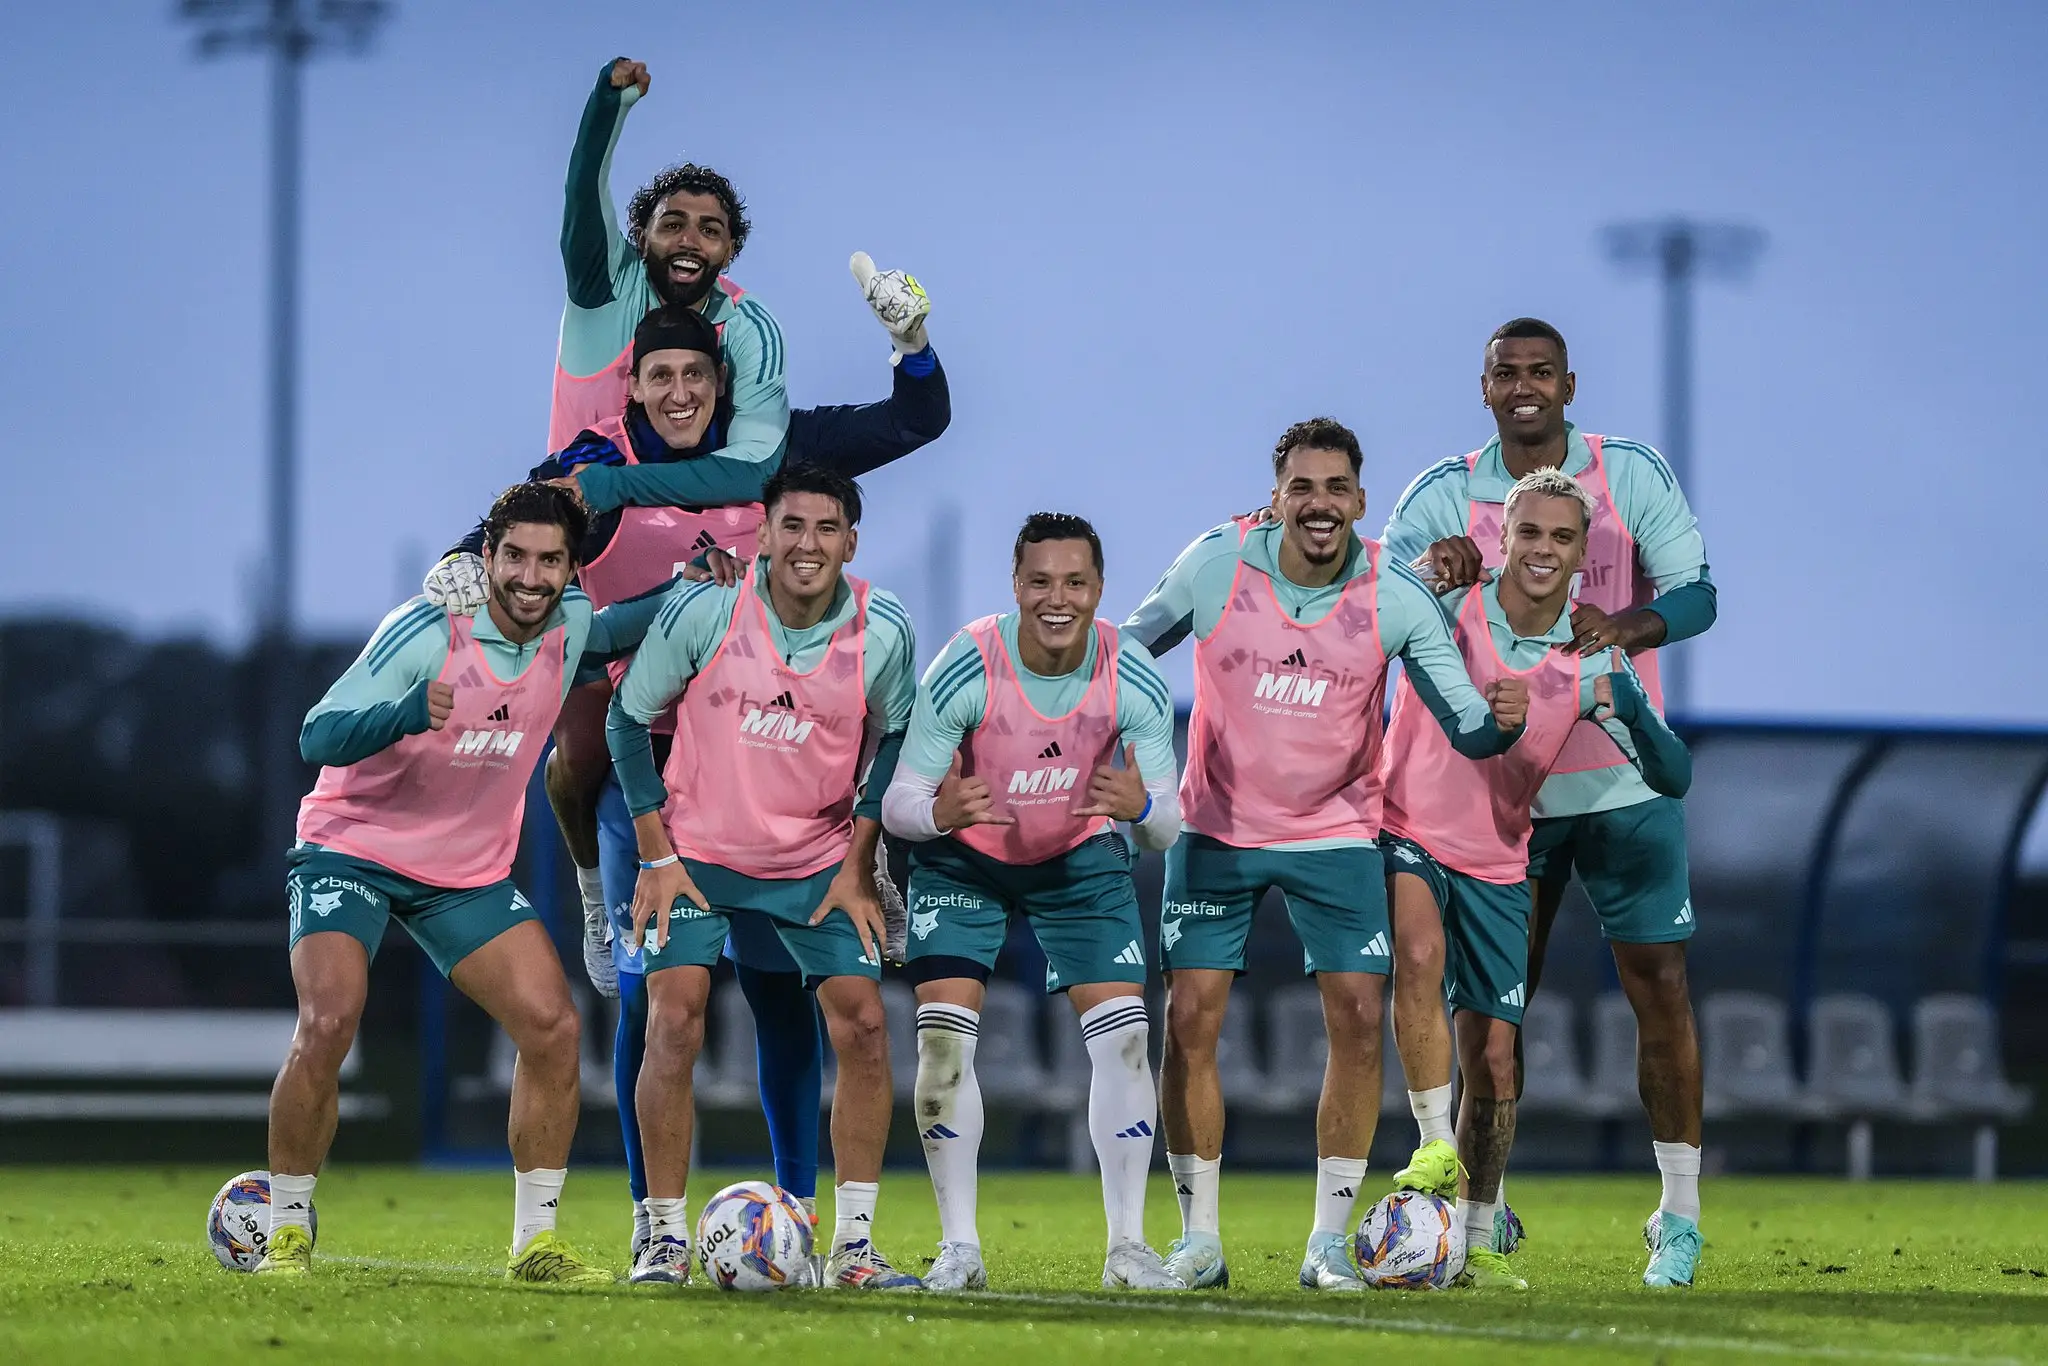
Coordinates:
(626, 71)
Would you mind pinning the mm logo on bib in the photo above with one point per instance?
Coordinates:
(475, 747)
(1042, 783)
(776, 723)
(1296, 685)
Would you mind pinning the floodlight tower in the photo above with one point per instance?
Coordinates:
(1680, 250)
(288, 33)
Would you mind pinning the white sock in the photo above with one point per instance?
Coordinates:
(1337, 1183)
(1678, 1162)
(535, 1196)
(1432, 1110)
(642, 1223)
(949, 1113)
(590, 882)
(1479, 1220)
(291, 1201)
(1195, 1183)
(669, 1218)
(853, 1212)
(1122, 1109)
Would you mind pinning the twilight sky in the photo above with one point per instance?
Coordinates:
(1155, 235)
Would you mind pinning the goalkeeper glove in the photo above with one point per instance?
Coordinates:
(458, 584)
(898, 300)
(895, 917)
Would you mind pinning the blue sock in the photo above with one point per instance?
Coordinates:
(789, 1049)
(629, 1046)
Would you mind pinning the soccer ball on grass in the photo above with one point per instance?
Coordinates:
(238, 1224)
(1410, 1241)
(754, 1236)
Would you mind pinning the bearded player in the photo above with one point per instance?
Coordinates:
(1456, 832)
(786, 686)
(1009, 717)
(683, 229)
(1644, 584)
(427, 743)
(1295, 621)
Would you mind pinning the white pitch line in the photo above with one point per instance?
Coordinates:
(1582, 1336)
(1309, 1318)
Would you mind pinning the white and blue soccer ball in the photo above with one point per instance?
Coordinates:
(1411, 1240)
(238, 1225)
(754, 1236)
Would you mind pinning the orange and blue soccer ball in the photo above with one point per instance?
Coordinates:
(1411, 1240)
(754, 1236)
(238, 1224)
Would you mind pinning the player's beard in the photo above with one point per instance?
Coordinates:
(671, 293)
(510, 606)
(1310, 554)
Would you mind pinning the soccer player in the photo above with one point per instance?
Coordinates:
(990, 790)
(1456, 833)
(1295, 621)
(784, 684)
(1644, 584)
(427, 743)
(683, 229)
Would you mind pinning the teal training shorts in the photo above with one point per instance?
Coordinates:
(831, 948)
(1082, 906)
(1336, 901)
(1486, 932)
(334, 891)
(1632, 861)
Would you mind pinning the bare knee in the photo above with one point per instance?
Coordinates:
(1353, 1016)
(1419, 963)
(1497, 1057)
(1654, 978)
(1486, 1056)
(859, 1028)
(325, 1032)
(572, 784)
(1194, 1022)
(675, 1030)
(547, 1034)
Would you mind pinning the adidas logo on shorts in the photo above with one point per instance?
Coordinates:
(1684, 913)
(1131, 955)
(1377, 948)
(1513, 998)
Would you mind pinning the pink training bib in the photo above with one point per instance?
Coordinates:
(1473, 815)
(762, 774)
(1611, 579)
(650, 546)
(582, 402)
(1038, 766)
(1284, 740)
(444, 807)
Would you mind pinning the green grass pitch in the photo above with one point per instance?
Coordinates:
(109, 1264)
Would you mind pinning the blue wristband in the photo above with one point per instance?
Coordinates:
(660, 862)
(1146, 812)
